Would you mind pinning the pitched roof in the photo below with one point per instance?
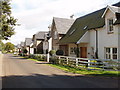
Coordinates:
(83, 24)
(114, 9)
(40, 35)
(22, 44)
(28, 41)
(63, 24)
(18, 46)
(118, 19)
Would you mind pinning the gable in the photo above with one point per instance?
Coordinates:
(112, 9)
(62, 25)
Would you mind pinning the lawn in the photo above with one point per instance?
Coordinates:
(87, 72)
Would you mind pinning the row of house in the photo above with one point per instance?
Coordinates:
(95, 35)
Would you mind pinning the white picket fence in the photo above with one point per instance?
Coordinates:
(89, 63)
(99, 64)
(40, 55)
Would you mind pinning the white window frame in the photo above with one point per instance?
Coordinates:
(109, 26)
(111, 52)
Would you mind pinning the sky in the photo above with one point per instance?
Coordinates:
(36, 15)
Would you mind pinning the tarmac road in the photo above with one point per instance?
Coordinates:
(22, 73)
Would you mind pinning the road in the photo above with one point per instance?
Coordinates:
(23, 73)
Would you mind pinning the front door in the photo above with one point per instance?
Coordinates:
(83, 52)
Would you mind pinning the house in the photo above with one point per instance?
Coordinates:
(38, 39)
(58, 29)
(18, 49)
(96, 35)
(27, 44)
(21, 47)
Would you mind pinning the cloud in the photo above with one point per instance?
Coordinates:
(36, 15)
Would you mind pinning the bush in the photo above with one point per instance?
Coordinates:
(25, 51)
(59, 52)
(54, 60)
(38, 57)
(52, 52)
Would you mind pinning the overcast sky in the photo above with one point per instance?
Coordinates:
(37, 15)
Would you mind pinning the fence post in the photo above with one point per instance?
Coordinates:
(76, 61)
(59, 59)
(67, 59)
(103, 65)
(88, 62)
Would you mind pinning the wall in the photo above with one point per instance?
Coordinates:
(104, 39)
(92, 44)
(119, 42)
(80, 45)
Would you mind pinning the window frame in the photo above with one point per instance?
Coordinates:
(110, 55)
(110, 26)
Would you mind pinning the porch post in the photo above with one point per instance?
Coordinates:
(78, 51)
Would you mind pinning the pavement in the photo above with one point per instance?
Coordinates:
(1, 55)
(22, 73)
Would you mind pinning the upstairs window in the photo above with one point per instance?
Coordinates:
(110, 25)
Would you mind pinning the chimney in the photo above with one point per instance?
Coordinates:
(72, 16)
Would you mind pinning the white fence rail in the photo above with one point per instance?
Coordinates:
(99, 64)
(89, 63)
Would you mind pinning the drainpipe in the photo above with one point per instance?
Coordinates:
(96, 52)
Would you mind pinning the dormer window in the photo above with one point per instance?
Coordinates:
(72, 31)
(110, 25)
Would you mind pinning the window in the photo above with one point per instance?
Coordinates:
(72, 50)
(72, 32)
(110, 25)
(111, 53)
(114, 53)
(85, 27)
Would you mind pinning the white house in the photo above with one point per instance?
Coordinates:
(96, 35)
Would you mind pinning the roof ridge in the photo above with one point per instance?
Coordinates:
(63, 18)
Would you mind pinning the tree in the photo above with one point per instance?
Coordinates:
(1, 46)
(7, 22)
(9, 47)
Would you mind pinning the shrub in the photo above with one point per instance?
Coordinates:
(52, 52)
(25, 51)
(59, 52)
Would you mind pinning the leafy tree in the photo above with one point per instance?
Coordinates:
(7, 22)
(1, 46)
(9, 46)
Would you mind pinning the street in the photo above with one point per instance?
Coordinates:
(23, 73)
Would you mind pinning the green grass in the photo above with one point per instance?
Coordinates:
(33, 59)
(83, 71)
(87, 72)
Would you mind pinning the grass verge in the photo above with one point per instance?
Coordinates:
(87, 72)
